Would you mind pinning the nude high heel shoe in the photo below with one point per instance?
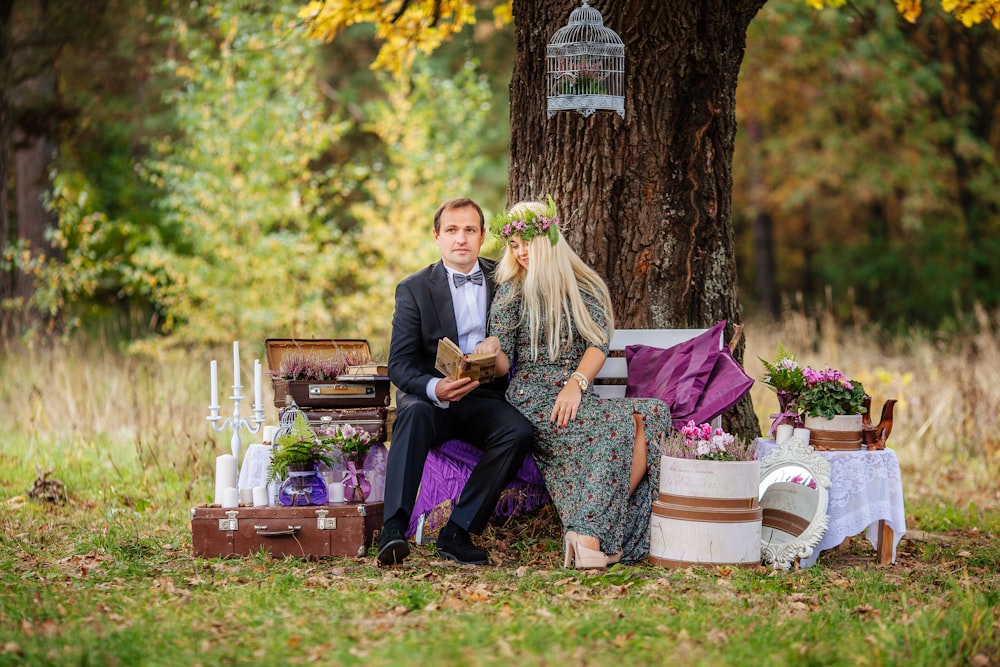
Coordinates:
(583, 557)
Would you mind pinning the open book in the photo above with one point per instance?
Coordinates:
(456, 364)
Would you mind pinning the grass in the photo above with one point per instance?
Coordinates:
(109, 578)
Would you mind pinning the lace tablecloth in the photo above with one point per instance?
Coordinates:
(866, 487)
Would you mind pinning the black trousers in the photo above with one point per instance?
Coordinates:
(484, 420)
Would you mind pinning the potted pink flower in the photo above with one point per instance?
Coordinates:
(707, 510)
(834, 406)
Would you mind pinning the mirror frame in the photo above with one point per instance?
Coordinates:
(795, 452)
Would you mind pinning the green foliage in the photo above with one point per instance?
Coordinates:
(300, 448)
(867, 142)
(265, 248)
(783, 373)
(284, 236)
(828, 393)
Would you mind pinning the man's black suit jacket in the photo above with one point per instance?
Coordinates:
(424, 314)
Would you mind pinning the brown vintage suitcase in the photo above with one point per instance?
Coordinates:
(316, 531)
(345, 391)
(373, 420)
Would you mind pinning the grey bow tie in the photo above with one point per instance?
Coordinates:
(476, 278)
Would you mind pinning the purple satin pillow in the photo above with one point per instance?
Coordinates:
(696, 379)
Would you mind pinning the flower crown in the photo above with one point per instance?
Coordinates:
(528, 224)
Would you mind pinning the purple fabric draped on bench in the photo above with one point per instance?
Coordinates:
(445, 473)
(698, 379)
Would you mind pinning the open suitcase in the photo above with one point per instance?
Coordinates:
(342, 392)
(340, 529)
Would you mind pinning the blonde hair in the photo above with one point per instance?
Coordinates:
(552, 291)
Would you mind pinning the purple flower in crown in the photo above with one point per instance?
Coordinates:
(528, 223)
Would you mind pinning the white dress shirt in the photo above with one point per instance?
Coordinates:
(469, 302)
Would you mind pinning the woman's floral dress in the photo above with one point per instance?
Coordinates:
(586, 465)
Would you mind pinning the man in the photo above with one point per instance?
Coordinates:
(449, 298)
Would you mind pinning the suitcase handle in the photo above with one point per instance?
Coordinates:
(264, 532)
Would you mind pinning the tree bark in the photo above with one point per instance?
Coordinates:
(646, 200)
(34, 132)
(6, 232)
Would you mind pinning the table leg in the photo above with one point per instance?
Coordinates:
(883, 548)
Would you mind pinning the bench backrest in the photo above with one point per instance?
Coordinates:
(610, 382)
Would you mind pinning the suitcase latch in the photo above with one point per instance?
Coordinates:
(324, 522)
(340, 390)
(230, 522)
(361, 510)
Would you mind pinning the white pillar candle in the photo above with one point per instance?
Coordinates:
(260, 496)
(336, 492)
(783, 432)
(246, 496)
(225, 475)
(236, 363)
(269, 432)
(230, 497)
(802, 434)
(258, 402)
(215, 384)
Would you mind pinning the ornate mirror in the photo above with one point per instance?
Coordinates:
(794, 495)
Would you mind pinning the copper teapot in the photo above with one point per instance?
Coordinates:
(873, 436)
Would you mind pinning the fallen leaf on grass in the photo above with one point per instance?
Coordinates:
(866, 610)
(12, 647)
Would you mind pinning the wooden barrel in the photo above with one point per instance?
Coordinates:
(843, 432)
(707, 513)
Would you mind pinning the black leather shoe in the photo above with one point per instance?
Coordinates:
(392, 545)
(454, 543)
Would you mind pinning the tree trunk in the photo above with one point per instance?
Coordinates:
(34, 131)
(6, 232)
(646, 200)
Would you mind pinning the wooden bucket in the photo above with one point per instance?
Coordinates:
(842, 433)
(707, 513)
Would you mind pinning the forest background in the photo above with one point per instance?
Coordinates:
(205, 172)
(183, 175)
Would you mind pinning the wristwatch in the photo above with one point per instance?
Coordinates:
(581, 380)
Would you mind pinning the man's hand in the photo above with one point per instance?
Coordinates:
(454, 390)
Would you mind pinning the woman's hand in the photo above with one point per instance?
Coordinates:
(489, 346)
(567, 403)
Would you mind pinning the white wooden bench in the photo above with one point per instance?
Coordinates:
(611, 381)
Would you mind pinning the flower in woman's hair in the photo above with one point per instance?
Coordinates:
(528, 224)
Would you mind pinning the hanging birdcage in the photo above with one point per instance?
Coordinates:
(585, 66)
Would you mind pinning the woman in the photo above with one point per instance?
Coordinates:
(552, 321)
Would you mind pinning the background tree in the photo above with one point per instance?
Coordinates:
(78, 94)
(870, 145)
(648, 198)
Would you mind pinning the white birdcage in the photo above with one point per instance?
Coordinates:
(585, 65)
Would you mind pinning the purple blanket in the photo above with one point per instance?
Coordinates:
(447, 470)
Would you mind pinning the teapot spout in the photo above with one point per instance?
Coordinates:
(884, 427)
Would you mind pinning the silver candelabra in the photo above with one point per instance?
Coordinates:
(236, 422)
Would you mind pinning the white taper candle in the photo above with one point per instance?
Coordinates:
(258, 402)
(215, 384)
(236, 363)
